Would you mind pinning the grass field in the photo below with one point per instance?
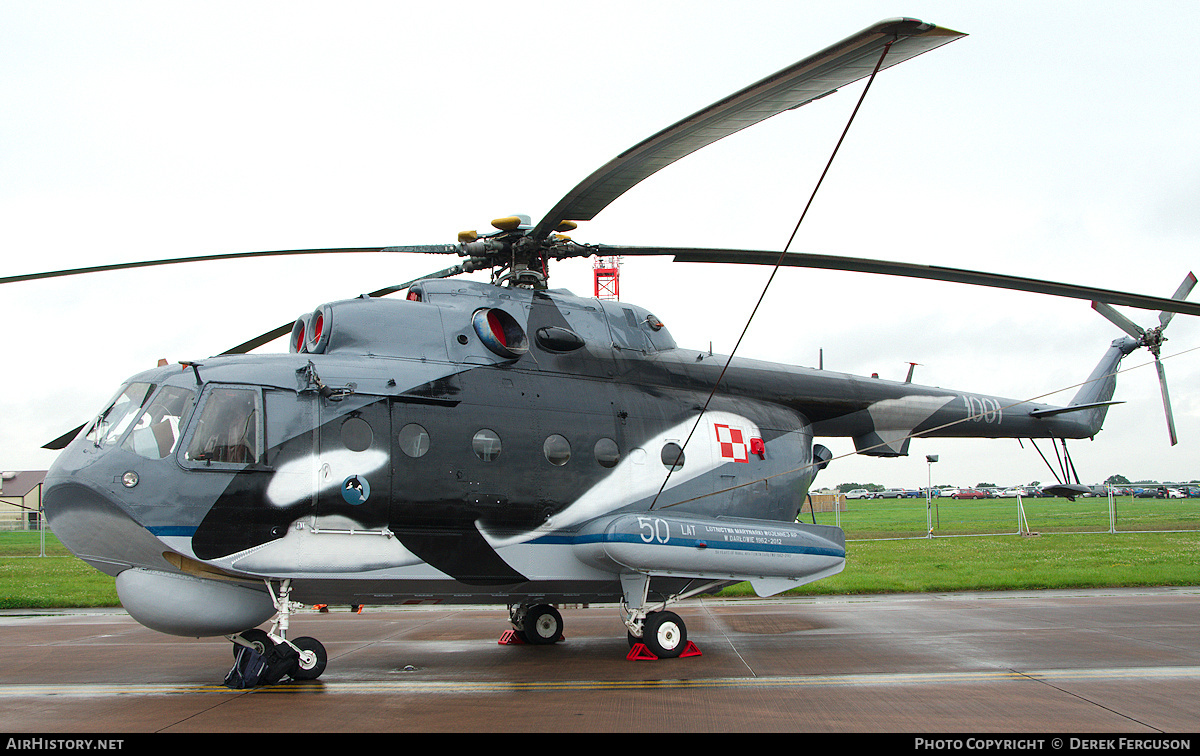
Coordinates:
(998, 563)
(901, 518)
(887, 551)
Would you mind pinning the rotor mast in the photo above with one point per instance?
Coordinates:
(518, 258)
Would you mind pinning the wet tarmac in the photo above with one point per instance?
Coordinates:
(1105, 661)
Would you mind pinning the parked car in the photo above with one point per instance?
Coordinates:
(968, 493)
(1161, 492)
(858, 493)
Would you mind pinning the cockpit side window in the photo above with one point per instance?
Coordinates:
(156, 433)
(112, 423)
(229, 428)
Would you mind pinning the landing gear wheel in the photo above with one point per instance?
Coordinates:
(664, 634)
(259, 639)
(311, 661)
(543, 625)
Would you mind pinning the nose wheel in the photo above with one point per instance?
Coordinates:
(258, 659)
(311, 659)
(256, 640)
(262, 658)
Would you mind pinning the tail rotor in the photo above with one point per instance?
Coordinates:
(1152, 339)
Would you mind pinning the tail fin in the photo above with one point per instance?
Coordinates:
(1102, 384)
(1095, 396)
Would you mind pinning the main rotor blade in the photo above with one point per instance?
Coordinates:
(814, 77)
(453, 270)
(1181, 293)
(1119, 320)
(175, 261)
(908, 270)
(1162, 382)
(66, 438)
(286, 328)
(258, 341)
(62, 441)
(425, 249)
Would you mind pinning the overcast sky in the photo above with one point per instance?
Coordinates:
(1057, 141)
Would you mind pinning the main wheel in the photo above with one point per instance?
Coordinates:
(543, 625)
(664, 634)
(311, 662)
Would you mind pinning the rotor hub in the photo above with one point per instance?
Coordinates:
(1153, 340)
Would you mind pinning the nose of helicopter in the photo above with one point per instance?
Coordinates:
(99, 530)
(96, 528)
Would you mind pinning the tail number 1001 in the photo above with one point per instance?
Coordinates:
(983, 409)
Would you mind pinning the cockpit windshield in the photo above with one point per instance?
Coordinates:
(157, 430)
(115, 419)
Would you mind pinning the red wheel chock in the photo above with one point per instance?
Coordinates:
(510, 638)
(639, 652)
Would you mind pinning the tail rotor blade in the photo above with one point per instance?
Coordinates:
(1162, 381)
(1181, 294)
(1153, 340)
(1119, 320)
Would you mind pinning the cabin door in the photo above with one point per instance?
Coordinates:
(354, 468)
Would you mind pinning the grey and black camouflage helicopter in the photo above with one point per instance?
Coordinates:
(507, 443)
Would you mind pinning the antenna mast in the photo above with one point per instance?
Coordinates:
(606, 271)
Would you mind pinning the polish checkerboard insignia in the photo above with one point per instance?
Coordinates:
(732, 442)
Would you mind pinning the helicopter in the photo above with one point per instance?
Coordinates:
(512, 444)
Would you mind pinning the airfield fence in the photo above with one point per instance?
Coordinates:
(887, 519)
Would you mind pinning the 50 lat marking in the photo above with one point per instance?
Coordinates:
(654, 530)
(983, 409)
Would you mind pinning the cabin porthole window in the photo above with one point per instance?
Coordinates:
(414, 440)
(557, 450)
(608, 454)
(486, 445)
(672, 456)
(357, 435)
